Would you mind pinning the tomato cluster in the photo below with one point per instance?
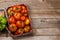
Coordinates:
(18, 19)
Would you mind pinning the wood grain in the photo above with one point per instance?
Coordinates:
(7, 0)
(45, 22)
(44, 15)
(40, 38)
(33, 38)
(54, 3)
(34, 3)
(47, 32)
(6, 38)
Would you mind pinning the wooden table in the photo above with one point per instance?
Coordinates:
(45, 17)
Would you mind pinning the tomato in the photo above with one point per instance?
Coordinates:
(16, 8)
(20, 24)
(20, 31)
(11, 20)
(24, 7)
(12, 27)
(27, 29)
(24, 11)
(17, 16)
(9, 9)
(25, 14)
(27, 21)
(23, 18)
(10, 12)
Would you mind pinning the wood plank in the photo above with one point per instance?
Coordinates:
(44, 15)
(53, 0)
(6, 38)
(42, 4)
(2, 35)
(7, 1)
(36, 4)
(32, 38)
(31, 3)
(41, 38)
(47, 32)
(54, 3)
(45, 23)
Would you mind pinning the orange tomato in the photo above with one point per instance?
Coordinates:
(12, 27)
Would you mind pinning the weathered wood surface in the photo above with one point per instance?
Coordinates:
(45, 18)
(33, 38)
(45, 23)
(42, 38)
(47, 32)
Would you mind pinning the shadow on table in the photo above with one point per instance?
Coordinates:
(4, 33)
(22, 37)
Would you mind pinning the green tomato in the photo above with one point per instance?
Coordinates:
(1, 17)
(3, 20)
(2, 27)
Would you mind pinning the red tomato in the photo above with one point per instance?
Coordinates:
(23, 18)
(20, 31)
(27, 29)
(12, 27)
(20, 24)
(25, 14)
(9, 11)
(17, 16)
(11, 20)
(16, 8)
(24, 7)
(24, 11)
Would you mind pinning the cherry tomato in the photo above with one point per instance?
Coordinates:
(9, 9)
(24, 11)
(27, 29)
(17, 16)
(27, 21)
(25, 14)
(20, 31)
(12, 27)
(20, 24)
(23, 18)
(16, 8)
(24, 7)
(11, 20)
